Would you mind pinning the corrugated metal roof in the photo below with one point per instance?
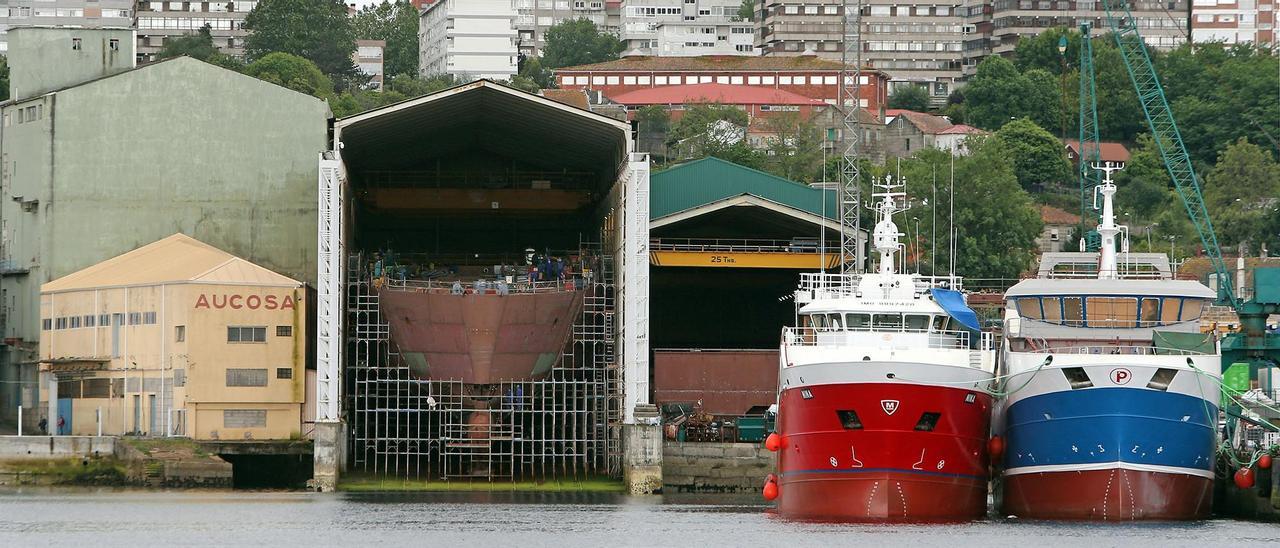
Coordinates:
(1109, 151)
(176, 259)
(708, 180)
(727, 94)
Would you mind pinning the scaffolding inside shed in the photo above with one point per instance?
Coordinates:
(566, 425)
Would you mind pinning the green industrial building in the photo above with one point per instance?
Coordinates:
(101, 157)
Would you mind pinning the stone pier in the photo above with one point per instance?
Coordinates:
(642, 452)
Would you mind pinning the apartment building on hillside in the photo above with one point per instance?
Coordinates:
(63, 13)
(1234, 21)
(160, 21)
(469, 39)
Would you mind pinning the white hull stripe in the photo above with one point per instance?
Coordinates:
(1109, 466)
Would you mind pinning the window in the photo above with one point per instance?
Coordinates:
(149, 318)
(179, 333)
(104, 320)
(1052, 309)
(722, 79)
(246, 334)
(1150, 311)
(284, 330)
(60, 323)
(284, 372)
(113, 44)
(629, 80)
(659, 80)
(917, 322)
(135, 318)
(1029, 308)
(887, 322)
(858, 321)
(1169, 314)
(74, 322)
(1111, 311)
(566, 80)
(819, 321)
(244, 418)
(836, 322)
(246, 377)
(849, 419)
(89, 320)
(46, 324)
(1072, 312)
(1191, 309)
(75, 44)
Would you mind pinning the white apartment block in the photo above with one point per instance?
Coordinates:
(1234, 21)
(685, 28)
(469, 39)
(161, 21)
(535, 17)
(56, 13)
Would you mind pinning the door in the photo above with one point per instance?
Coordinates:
(116, 321)
(63, 421)
(151, 412)
(137, 414)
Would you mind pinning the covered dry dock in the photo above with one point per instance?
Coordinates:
(727, 246)
(478, 301)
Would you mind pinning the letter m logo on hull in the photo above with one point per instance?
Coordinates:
(889, 406)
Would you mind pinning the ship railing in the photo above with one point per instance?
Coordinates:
(855, 336)
(1127, 350)
(848, 283)
(737, 245)
(486, 287)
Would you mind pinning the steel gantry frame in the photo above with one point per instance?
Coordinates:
(850, 101)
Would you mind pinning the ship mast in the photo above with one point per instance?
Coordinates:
(1108, 228)
(886, 232)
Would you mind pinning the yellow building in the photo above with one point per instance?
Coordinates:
(174, 338)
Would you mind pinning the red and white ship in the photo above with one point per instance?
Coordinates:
(884, 401)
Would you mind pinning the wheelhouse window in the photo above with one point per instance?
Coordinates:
(859, 322)
(836, 322)
(1169, 313)
(1149, 312)
(1073, 311)
(1191, 309)
(1111, 311)
(1030, 308)
(917, 322)
(1052, 307)
(819, 321)
(887, 322)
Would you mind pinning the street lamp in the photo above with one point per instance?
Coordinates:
(1149, 227)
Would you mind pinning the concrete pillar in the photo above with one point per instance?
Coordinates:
(642, 451)
(50, 381)
(328, 453)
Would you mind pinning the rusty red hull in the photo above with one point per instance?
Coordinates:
(883, 495)
(728, 382)
(1111, 494)
(480, 338)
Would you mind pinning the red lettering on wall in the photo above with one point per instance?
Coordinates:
(202, 302)
(219, 305)
(288, 303)
(272, 303)
(235, 299)
(253, 302)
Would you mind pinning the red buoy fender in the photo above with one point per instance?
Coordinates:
(995, 447)
(1244, 478)
(773, 442)
(770, 490)
(1264, 462)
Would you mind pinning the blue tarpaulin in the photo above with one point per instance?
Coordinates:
(953, 302)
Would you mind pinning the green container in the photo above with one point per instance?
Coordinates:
(1235, 381)
(751, 429)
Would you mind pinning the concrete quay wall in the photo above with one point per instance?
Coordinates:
(697, 467)
(55, 447)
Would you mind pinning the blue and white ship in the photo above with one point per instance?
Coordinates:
(1111, 410)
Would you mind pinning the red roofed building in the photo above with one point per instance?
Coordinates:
(1058, 225)
(805, 75)
(1107, 152)
(756, 101)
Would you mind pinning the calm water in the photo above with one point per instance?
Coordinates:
(95, 518)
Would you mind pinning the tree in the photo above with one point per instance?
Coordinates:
(996, 221)
(1043, 99)
(1041, 51)
(713, 129)
(1143, 184)
(995, 93)
(318, 30)
(1039, 159)
(795, 148)
(1240, 192)
(293, 72)
(747, 11)
(531, 68)
(578, 42)
(910, 97)
(198, 46)
(396, 23)
(4, 78)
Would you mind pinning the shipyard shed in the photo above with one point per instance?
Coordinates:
(475, 186)
(727, 245)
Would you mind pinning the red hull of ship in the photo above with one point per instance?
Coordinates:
(887, 470)
(1114, 494)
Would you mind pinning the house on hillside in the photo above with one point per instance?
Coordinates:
(907, 131)
(953, 138)
(1058, 225)
(1108, 151)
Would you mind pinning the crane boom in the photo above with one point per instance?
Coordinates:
(1164, 132)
